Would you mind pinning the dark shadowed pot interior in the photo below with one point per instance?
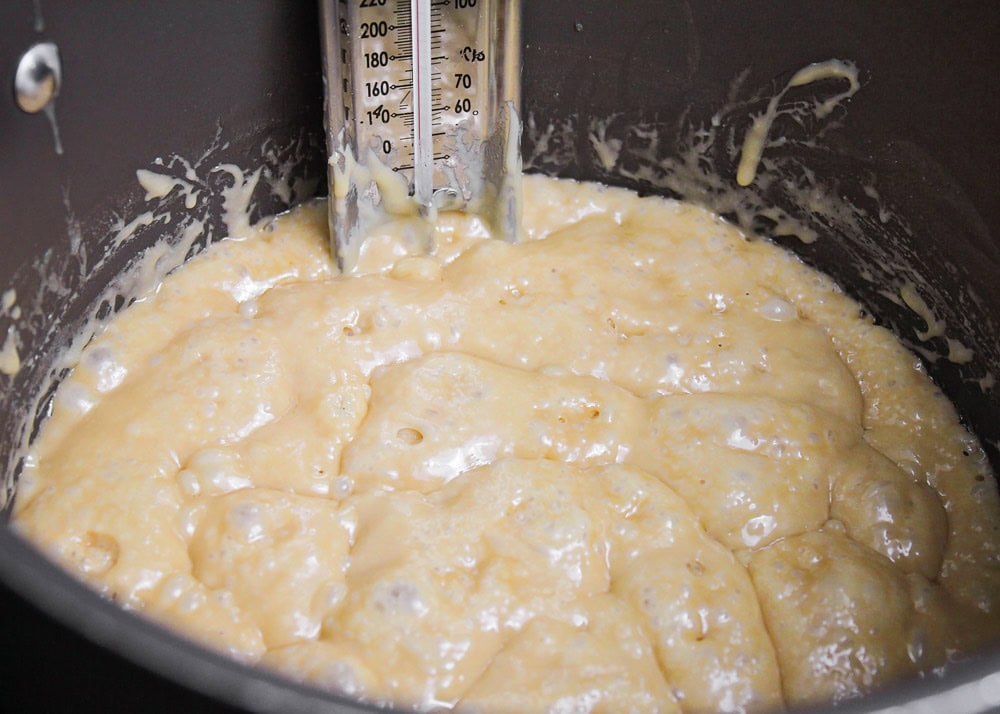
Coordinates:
(909, 168)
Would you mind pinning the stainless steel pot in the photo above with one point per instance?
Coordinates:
(915, 157)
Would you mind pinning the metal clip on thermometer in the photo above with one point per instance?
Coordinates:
(422, 103)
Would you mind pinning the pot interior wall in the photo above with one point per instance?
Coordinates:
(912, 160)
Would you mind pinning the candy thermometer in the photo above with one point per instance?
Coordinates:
(422, 112)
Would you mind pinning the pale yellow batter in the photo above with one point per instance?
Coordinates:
(641, 465)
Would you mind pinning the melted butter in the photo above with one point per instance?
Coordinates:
(10, 359)
(635, 445)
(959, 353)
(756, 137)
(158, 186)
(912, 299)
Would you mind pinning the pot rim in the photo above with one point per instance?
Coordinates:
(968, 686)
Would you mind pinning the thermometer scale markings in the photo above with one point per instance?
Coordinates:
(423, 142)
(412, 98)
(427, 90)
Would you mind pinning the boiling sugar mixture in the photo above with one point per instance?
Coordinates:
(636, 462)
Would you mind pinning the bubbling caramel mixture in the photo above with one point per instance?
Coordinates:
(637, 462)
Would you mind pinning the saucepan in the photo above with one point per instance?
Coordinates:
(657, 95)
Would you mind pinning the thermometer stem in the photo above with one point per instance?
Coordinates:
(423, 117)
